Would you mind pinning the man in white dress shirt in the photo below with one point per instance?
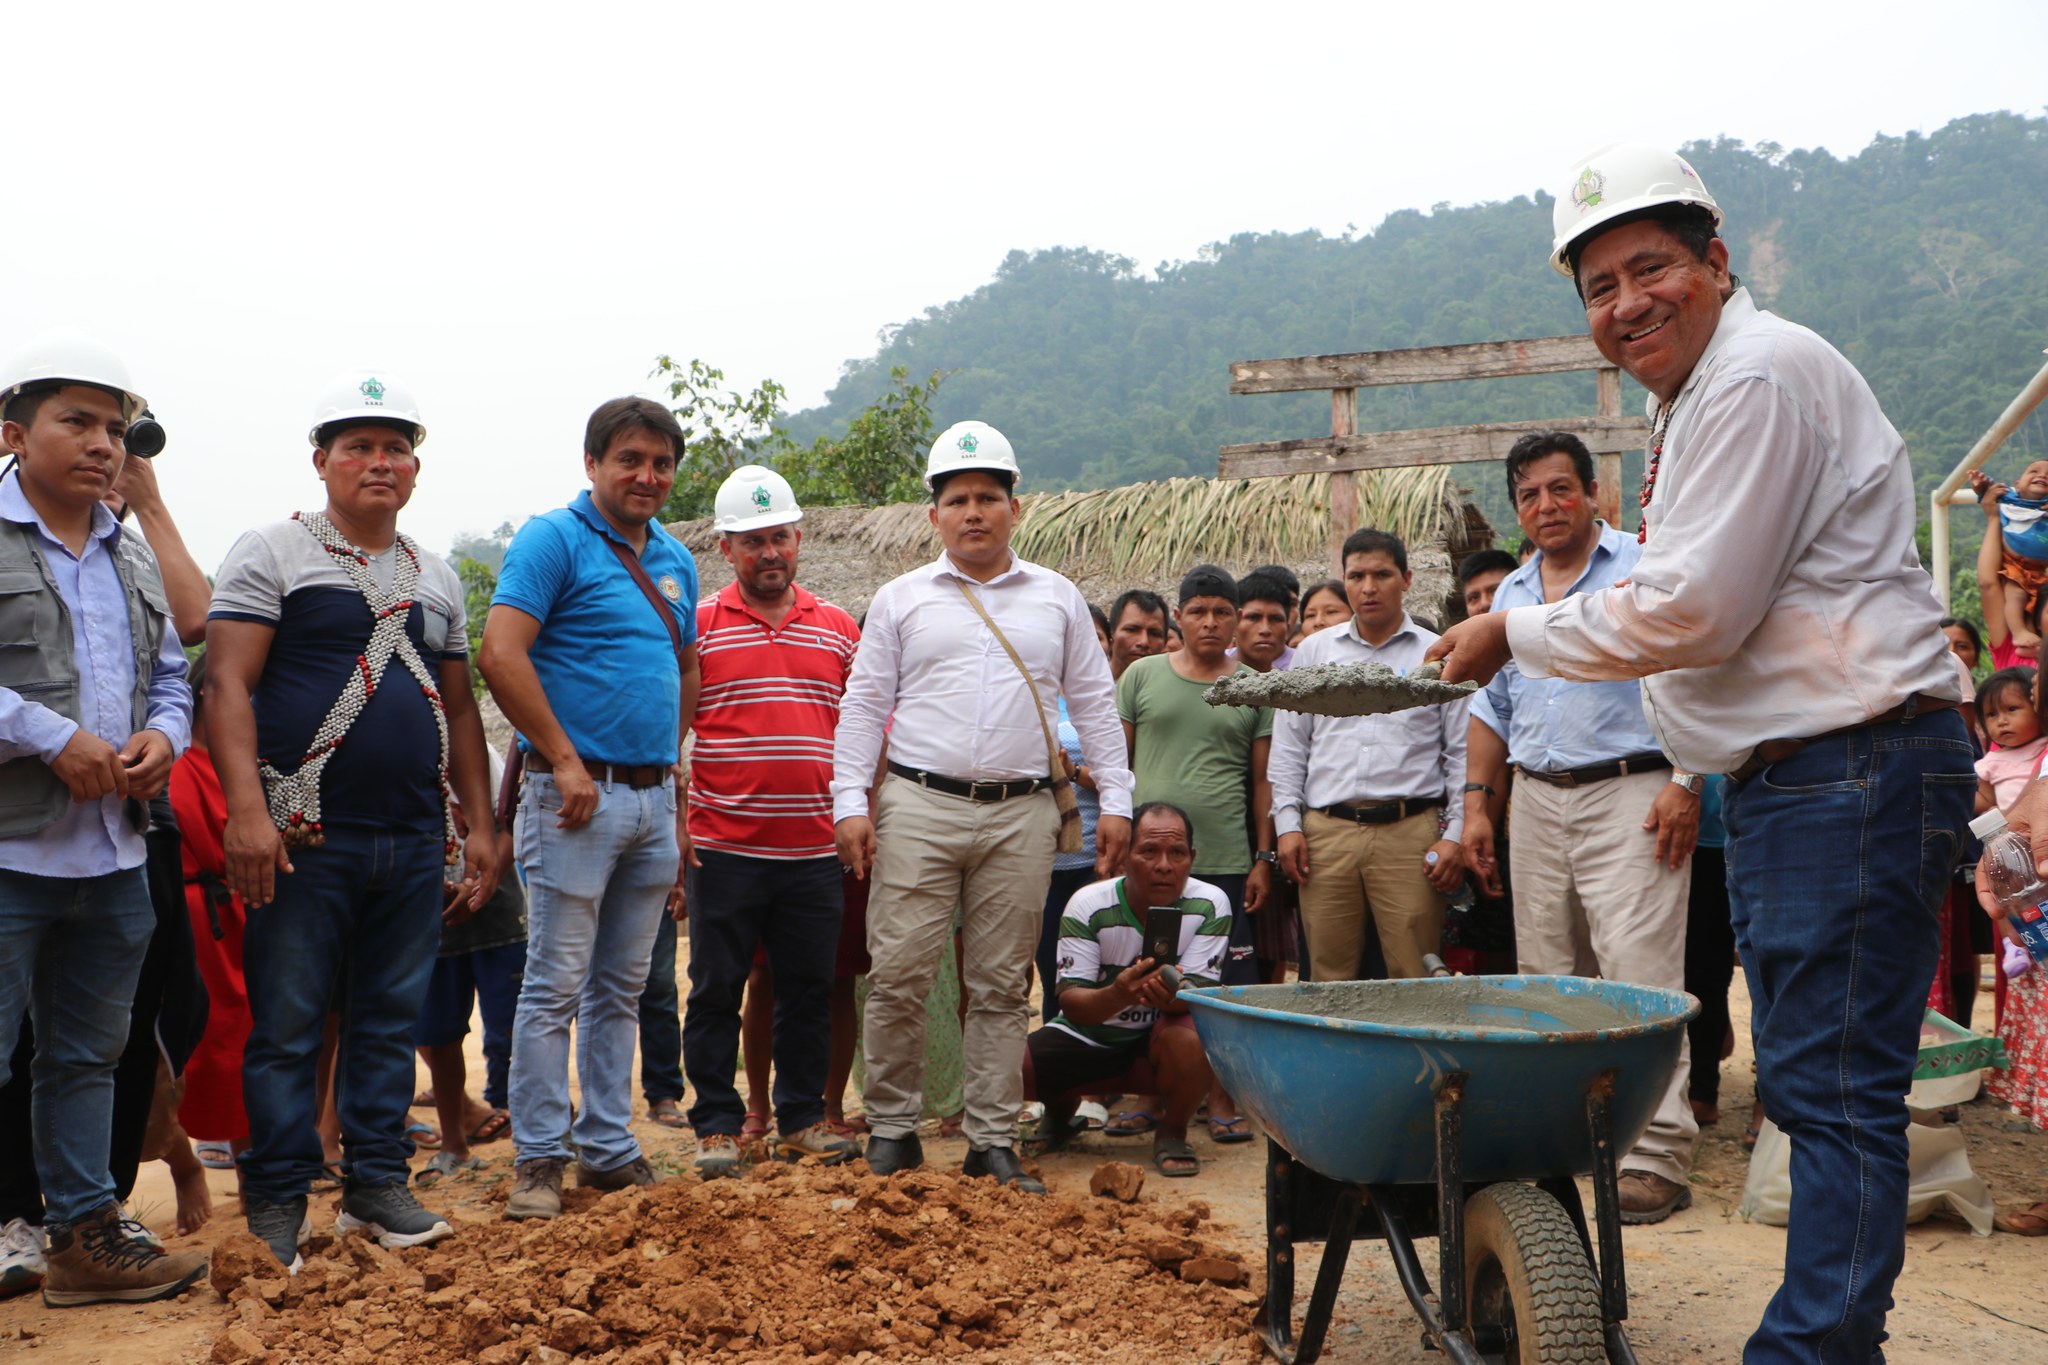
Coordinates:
(1786, 635)
(965, 818)
(1360, 801)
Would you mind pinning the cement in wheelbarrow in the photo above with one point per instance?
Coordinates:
(1344, 1074)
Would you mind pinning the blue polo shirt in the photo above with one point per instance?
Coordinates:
(603, 656)
(1552, 725)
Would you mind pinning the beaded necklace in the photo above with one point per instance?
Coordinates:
(1650, 467)
(295, 798)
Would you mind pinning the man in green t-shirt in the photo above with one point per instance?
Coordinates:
(1211, 761)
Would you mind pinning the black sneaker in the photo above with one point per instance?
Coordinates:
(390, 1214)
(283, 1227)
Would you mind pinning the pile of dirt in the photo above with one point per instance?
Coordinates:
(786, 1264)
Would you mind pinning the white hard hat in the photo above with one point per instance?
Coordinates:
(69, 357)
(754, 496)
(366, 396)
(971, 445)
(1620, 178)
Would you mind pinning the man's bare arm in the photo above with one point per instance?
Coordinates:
(255, 852)
(506, 661)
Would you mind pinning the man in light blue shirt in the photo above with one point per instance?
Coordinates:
(93, 711)
(1603, 824)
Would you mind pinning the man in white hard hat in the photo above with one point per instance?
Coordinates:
(591, 652)
(775, 661)
(1786, 635)
(339, 711)
(970, 654)
(93, 711)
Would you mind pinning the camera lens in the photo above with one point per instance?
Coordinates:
(145, 436)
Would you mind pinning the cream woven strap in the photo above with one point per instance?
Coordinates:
(295, 797)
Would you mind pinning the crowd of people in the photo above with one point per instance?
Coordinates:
(244, 896)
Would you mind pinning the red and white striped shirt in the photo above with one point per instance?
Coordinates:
(761, 769)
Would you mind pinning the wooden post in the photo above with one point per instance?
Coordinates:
(1343, 484)
(1607, 467)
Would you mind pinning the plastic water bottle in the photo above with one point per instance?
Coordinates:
(2009, 868)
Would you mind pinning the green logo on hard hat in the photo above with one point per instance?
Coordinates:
(761, 498)
(968, 443)
(1586, 192)
(372, 389)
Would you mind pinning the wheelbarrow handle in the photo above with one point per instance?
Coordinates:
(1434, 965)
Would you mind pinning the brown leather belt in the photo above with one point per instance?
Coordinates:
(973, 791)
(1599, 772)
(636, 776)
(1778, 750)
(1383, 813)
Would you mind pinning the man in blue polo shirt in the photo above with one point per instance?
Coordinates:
(1601, 860)
(590, 651)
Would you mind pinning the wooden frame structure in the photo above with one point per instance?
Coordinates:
(1607, 433)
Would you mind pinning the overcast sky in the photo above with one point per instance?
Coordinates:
(515, 208)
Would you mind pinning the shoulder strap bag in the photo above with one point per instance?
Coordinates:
(1070, 840)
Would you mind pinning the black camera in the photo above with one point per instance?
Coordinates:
(145, 436)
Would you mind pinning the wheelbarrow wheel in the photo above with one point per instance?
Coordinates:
(1527, 1279)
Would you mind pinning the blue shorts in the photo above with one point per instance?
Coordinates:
(456, 985)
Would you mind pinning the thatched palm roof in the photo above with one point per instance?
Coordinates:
(1142, 535)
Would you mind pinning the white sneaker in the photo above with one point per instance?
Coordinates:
(21, 1258)
(136, 1229)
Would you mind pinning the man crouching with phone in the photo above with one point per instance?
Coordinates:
(1126, 946)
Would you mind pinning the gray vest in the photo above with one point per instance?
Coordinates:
(36, 661)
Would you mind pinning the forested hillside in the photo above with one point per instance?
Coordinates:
(1925, 258)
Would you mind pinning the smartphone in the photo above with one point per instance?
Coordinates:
(1162, 934)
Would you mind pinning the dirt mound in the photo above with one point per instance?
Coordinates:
(787, 1264)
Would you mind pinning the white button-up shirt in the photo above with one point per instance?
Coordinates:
(1780, 595)
(1319, 761)
(960, 706)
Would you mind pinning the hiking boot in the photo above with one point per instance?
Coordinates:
(21, 1258)
(95, 1261)
(718, 1155)
(1647, 1198)
(390, 1214)
(536, 1188)
(1002, 1164)
(887, 1155)
(820, 1141)
(634, 1172)
(283, 1227)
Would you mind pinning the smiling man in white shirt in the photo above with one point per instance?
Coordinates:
(965, 817)
(1785, 634)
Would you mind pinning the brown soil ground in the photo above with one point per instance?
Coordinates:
(796, 1264)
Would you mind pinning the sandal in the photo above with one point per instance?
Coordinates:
(949, 1126)
(1228, 1131)
(445, 1164)
(1093, 1114)
(665, 1113)
(1131, 1123)
(848, 1125)
(331, 1177)
(215, 1156)
(1174, 1157)
(494, 1127)
(2028, 1222)
(425, 1099)
(422, 1134)
(756, 1126)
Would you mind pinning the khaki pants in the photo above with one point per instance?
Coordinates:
(1591, 899)
(991, 861)
(1360, 874)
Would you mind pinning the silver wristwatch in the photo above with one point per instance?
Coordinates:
(1692, 782)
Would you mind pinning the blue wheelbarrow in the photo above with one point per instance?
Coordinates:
(1461, 1108)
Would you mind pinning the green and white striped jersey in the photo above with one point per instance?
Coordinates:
(1100, 935)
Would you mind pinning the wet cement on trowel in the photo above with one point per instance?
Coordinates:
(1460, 1004)
(1339, 689)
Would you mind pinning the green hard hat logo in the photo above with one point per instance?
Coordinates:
(968, 443)
(761, 498)
(372, 389)
(1587, 190)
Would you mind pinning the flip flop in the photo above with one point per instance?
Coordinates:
(1174, 1157)
(1131, 1123)
(665, 1113)
(1227, 1131)
(425, 1099)
(756, 1126)
(422, 1134)
(443, 1165)
(215, 1156)
(2027, 1222)
(494, 1127)
(1093, 1114)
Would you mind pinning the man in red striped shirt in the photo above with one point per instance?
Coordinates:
(764, 867)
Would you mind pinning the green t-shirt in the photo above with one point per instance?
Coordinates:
(1195, 755)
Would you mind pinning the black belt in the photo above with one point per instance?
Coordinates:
(1599, 772)
(625, 774)
(973, 791)
(1385, 813)
(1778, 750)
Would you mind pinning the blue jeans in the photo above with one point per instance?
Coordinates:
(70, 953)
(661, 1025)
(353, 931)
(1837, 862)
(594, 896)
(793, 908)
